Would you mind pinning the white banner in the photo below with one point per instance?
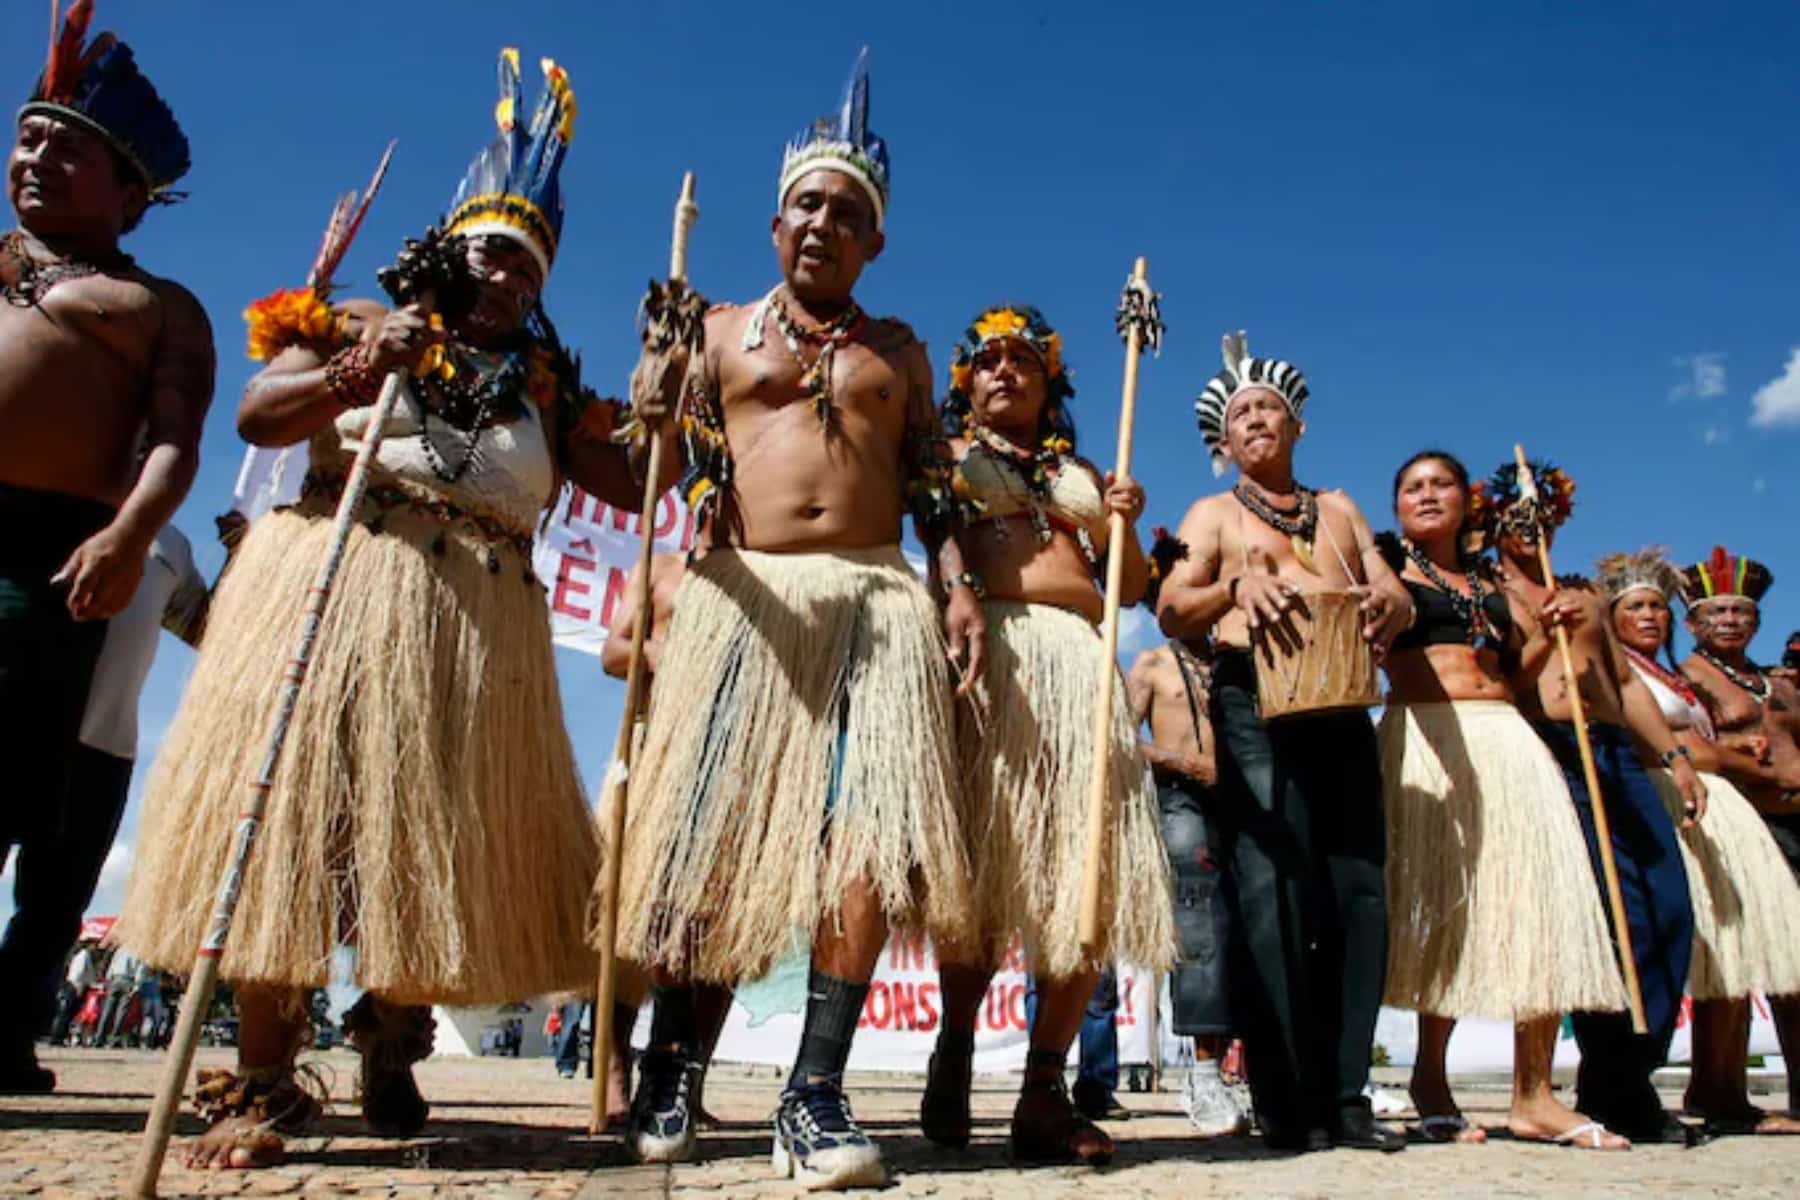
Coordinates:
(901, 1017)
(583, 556)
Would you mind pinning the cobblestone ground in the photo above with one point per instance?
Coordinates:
(510, 1130)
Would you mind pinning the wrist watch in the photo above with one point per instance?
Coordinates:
(968, 579)
(1674, 752)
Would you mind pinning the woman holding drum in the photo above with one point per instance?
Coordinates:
(1038, 525)
(1492, 902)
(1746, 903)
(1291, 586)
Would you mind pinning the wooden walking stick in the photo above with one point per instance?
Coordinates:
(1140, 324)
(1634, 995)
(346, 219)
(672, 315)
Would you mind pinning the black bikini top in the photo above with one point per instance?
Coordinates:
(1440, 624)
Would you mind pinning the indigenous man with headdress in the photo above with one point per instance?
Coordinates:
(1299, 799)
(1171, 691)
(1746, 901)
(1613, 1085)
(805, 778)
(427, 809)
(1756, 715)
(1036, 534)
(102, 365)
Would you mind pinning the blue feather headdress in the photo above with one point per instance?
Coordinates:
(843, 143)
(100, 89)
(512, 188)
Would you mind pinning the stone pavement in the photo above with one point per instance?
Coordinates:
(508, 1129)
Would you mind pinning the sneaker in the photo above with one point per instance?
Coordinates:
(818, 1143)
(1210, 1105)
(660, 1126)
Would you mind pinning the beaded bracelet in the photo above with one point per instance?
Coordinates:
(351, 376)
(968, 579)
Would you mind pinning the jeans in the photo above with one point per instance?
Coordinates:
(1198, 993)
(1301, 830)
(1613, 1082)
(567, 1046)
(1098, 1061)
(58, 867)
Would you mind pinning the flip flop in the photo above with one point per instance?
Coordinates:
(1572, 1138)
(1448, 1127)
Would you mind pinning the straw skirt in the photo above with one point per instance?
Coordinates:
(1746, 903)
(426, 808)
(800, 743)
(1026, 752)
(1492, 906)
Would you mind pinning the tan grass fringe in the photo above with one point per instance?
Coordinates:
(1746, 903)
(780, 671)
(427, 805)
(1492, 906)
(1026, 755)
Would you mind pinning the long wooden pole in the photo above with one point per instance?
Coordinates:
(1634, 994)
(1099, 822)
(618, 775)
(198, 997)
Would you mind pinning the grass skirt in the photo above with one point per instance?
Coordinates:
(1746, 903)
(1026, 758)
(427, 806)
(800, 742)
(1492, 906)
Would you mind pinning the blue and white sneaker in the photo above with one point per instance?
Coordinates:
(660, 1126)
(818, 1143)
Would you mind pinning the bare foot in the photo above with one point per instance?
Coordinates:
(1547, 1120)
(236, 1143)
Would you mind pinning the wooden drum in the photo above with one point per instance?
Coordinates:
(1332, 670)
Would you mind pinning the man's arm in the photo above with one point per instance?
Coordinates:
(1193, 597)
(104, 571)
(927, 466)
(1387, 606)
(615, 656)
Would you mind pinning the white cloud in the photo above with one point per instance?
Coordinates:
(1712, 435)
(1137, 631)
(109, 893)
(1705, 377)
(1778, 401)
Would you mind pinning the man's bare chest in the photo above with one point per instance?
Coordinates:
(76, 317)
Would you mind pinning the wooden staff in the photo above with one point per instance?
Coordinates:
(1634, 995)
(198, 997)
(618, 775)
(1139, 325)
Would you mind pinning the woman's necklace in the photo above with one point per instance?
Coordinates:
(29, 281)
(1300, 525)
(466, 404)
(815, 379)
(1034, 470)
(1756, 683)
(1469, 609)
(1669, 679)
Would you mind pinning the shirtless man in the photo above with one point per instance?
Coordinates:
(1298, 803)
(1757, 715)
(805, 778)
(1170, 688)
(1613, 1085)
(97, 358)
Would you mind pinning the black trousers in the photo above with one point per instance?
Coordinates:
(1197, 986)
(46, 666)
(1299, 811)
(1613, 1082)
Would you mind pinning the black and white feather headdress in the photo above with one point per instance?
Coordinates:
(1242, 373)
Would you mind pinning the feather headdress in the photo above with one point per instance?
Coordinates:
(1242, 373)
(843, 143)
(1647, 570)
(1725, 575)
(100, 88)
(513, 188)
(1546, 496)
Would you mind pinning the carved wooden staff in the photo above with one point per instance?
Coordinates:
(346, 219)
(1140, 324)
(618, 775)
(1634, 994)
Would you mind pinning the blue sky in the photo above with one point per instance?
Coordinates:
(1469, 224)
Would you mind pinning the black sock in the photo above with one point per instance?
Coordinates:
(673, 1022)
(832, 1008)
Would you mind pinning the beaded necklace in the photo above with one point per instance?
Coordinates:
(1034, 469)
(1469, 611)
(815, 379)
(32, 280)
(1756, 683)
(466, 403)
